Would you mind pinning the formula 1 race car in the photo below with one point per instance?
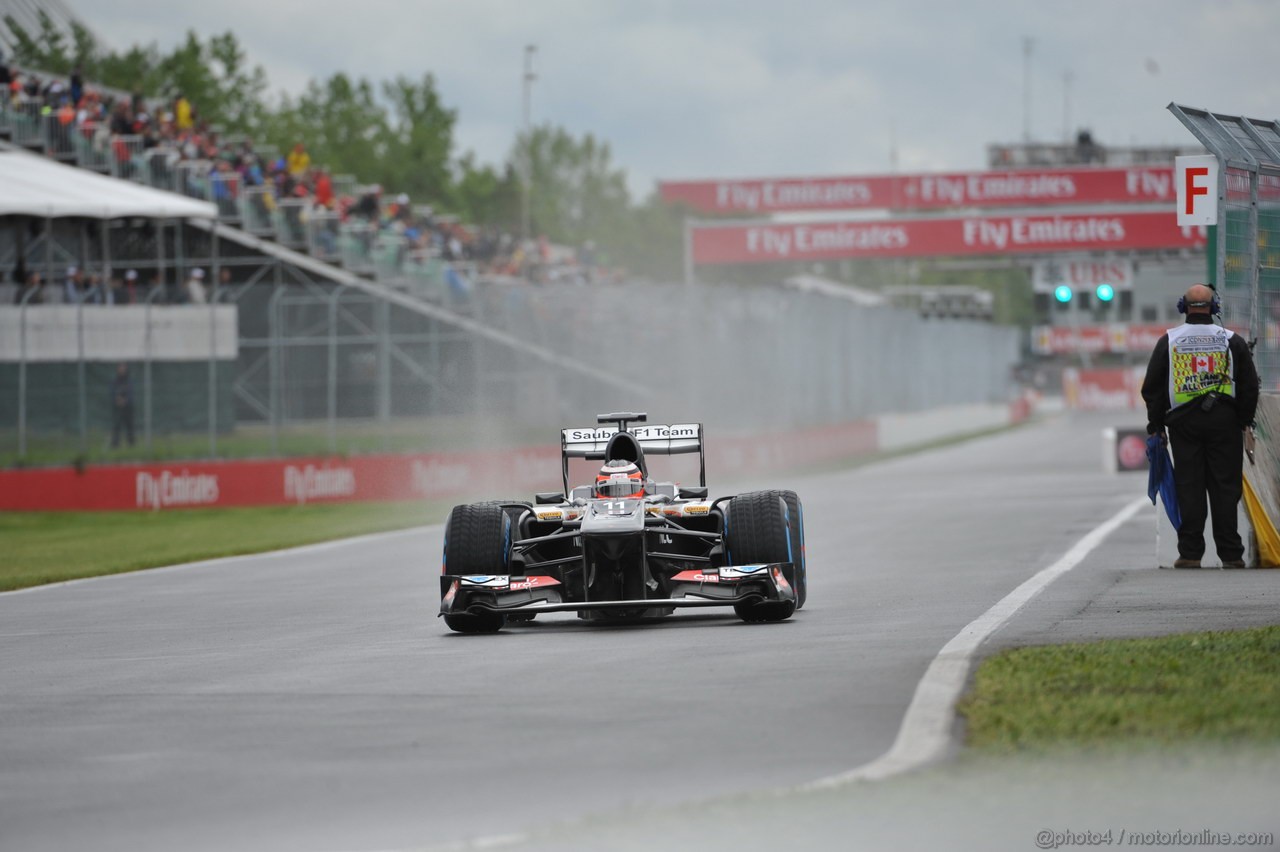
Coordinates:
(611, 554)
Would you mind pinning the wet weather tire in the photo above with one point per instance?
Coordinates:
(477, 540)
(758, 532)
(795, 520)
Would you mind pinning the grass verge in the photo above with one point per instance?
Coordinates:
(1216, 687)
(51, 547)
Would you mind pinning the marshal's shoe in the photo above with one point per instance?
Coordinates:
(1186, 563)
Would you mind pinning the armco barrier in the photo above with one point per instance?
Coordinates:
(278, 482)
(502, 473)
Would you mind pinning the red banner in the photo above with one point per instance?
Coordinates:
(926, 191)
(766, 243)
(1118, 338)
(279, 482)
(505, 473)
(1110, 388)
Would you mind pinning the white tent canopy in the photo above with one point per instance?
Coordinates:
(31, 185)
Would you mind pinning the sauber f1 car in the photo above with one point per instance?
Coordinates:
(611, 554)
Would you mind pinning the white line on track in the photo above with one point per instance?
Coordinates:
(925, 735)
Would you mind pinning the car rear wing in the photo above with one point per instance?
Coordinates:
(590, 442)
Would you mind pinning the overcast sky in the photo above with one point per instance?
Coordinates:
(749, 88)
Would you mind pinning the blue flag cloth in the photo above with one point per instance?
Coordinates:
(1160, 479)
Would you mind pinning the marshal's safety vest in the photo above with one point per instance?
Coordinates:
(1199, 362)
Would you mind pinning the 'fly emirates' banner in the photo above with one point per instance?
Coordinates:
(767, 243)
(1138, 184)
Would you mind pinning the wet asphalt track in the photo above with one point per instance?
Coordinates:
(312, 700)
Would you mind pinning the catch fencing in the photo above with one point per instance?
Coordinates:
(328, 369)
(1244, 247)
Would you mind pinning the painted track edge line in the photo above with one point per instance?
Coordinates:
(925, 734)
(313, 547)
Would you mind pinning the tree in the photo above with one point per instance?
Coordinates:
(339, 121)
(213, 76)
(45, 50)
(483, 195)
(418, 140)
(576, 194)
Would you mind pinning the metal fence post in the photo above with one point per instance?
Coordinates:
(146, 370)
(274, 358)
(383, 330)
(213, 375)
(48, 250)
(22, 372)
(80, 379)
(1255, 326)
(214, 292)
(332, 375)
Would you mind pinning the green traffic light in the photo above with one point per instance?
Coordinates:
(1062, 293)
(1105, 292)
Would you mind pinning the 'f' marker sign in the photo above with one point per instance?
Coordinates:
(1196, 179)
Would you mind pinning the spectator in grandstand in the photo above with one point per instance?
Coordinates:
(130, 287)
(183, 114)
(77, 83)
(94, 291)
(250, 168)
(157, 292)
(121, 405)
(73, 288)
(196, 294)
(32, 290)
(324, 188)
(225, 186)
(121, 120)
(90, 112)
(367, 206)
(299, 162)
(1088, 151)
(116, 292)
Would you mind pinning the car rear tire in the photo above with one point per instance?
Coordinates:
(477, 540)
(757, 531)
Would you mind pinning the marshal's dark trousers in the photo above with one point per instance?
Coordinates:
(1208, 452)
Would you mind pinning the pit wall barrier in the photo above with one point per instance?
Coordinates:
(429, 476)
(1262, 482)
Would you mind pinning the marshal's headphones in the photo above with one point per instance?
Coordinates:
(1215, 304)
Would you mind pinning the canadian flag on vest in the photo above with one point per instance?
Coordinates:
(1202, 363)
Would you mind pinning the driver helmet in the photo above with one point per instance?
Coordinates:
(619, 478)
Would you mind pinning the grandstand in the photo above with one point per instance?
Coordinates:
(139, 206)
(364, 322)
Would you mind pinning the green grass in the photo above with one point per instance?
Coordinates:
(1218, 687)
(50, 547)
